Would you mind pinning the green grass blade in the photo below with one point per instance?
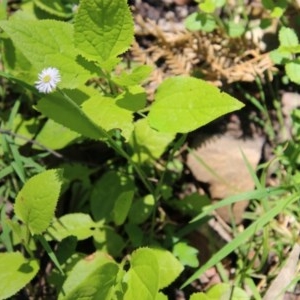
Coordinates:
(6, 171)
(254, 177)
(50, 252)
(252, 286)
(212, 171)
(18, 167)
(256, 194)
(5, 235)
(12, 147)
(242, 238)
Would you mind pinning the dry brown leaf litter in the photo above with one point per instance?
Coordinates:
(173, 50)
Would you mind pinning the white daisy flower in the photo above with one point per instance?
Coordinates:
(48, 80)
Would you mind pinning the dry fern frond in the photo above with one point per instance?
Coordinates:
(250, 69)
(176, 51)
(140, 55)
(177, 63)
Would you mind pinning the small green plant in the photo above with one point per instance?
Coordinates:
(287, 53)
(234, 22)
(103, 228)
(68, 70)
(208, 19)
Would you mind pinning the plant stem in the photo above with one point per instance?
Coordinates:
(118, 149)
(156, 193)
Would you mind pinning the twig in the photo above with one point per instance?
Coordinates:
(31, 141)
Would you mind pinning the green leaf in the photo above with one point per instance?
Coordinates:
(277, 7)
(122, 207)
(141, 209)
(106, 192)
(108, 240)
(56, 278)
(133, 99)
(161, 296)
(3, 11)
(16, 272)
(48, 43)
(49, 133)
(200, 21)
(148, 144)
(36, 202)
(290, 49)
(77, 224)
(24, 127)
(142, 278)
(235, 29)
(20, 234)
(288, 37)
(135, 234)
(103, 29)
(183, 104)
(292, 70)
(54, 7)
(226, 291)
(186, 254)
(105, 112)
(77, 172)
(136, 77)
(16, 63)
(69, 114)
(65, 249)
(92, 278)
(208, 6)
(279, 57)
(277, 12)
(265, 23)
(268, 4)
(199, 296)
(192, 204)
(169, 267)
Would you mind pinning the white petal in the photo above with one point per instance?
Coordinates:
(48, 80)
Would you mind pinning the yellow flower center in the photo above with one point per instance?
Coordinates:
(47, 78)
